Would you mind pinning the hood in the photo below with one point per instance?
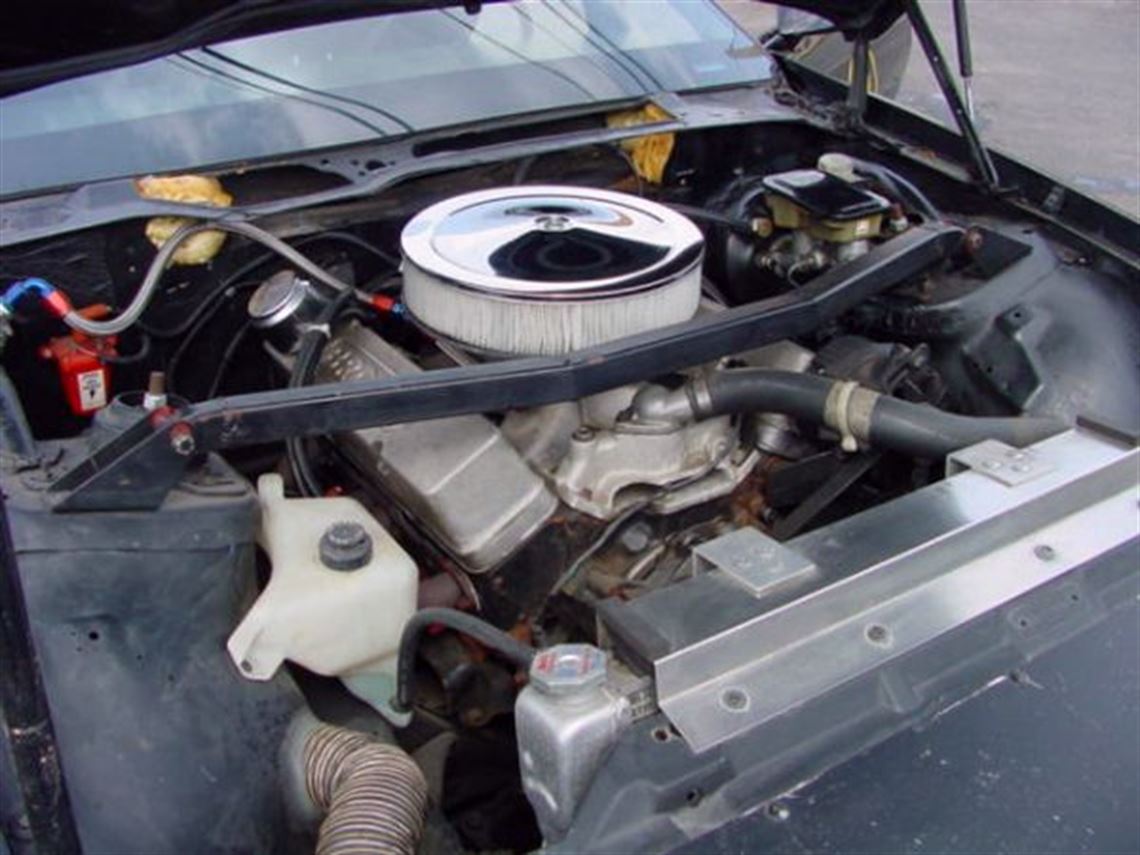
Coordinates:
(52, 40)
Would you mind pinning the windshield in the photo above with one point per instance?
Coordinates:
(348, 82)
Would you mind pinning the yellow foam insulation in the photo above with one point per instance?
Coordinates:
(192, 189)
(651, 152)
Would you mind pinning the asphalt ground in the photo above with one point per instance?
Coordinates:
(1056, 83)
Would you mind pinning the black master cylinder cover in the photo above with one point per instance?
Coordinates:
(825, 196)
(164, 746)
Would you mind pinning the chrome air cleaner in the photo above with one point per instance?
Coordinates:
(548, 269)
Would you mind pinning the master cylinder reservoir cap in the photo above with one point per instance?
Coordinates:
(567, 669)
(345, 546)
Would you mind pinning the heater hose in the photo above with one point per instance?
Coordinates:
(507, 645)
(859, 414)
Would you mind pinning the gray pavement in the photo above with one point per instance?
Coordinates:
(1055, 82)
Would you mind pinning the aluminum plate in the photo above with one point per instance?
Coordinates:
(996, 543)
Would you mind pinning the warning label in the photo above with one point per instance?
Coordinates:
(92, 390)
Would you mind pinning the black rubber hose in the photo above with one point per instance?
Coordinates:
(704, 215)
(899, 186)
(923, 431)
(507, 645)
(759, 390)
(313, 343)
(914, 429)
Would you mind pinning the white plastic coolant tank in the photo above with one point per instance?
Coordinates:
(336, 607)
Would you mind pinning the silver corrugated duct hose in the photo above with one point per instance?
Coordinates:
(373, 795)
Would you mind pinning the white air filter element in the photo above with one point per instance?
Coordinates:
(548, 270)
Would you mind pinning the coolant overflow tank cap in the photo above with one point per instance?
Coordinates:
(345, 546)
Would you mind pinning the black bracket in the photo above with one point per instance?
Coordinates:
(136, 469)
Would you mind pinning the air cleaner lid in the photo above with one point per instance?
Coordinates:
(542, 242)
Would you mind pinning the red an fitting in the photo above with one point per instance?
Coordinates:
(57, 303)
(382, 302)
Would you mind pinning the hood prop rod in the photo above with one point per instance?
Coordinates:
(857, 90)
(965, 55)
(980, 158)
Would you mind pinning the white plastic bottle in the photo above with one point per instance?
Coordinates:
(340, 593)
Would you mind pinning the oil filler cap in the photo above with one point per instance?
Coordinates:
(345, 546)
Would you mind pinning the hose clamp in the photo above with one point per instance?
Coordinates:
(847, 410)
(700, 398)
(323, 329)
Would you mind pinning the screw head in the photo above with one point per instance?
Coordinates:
(1045, 552)
(567, 669)
(345, 546)
(878, 634)
(734, 700)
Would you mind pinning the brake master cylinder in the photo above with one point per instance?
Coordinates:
(340, 593)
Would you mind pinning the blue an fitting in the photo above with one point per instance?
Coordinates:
(17, 291)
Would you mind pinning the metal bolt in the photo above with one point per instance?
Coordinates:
(583, 434)
(637, 537)
(734, 700)
(779, 812)
(1045, 552)
(345, 546)
(182, 439)
(992, 464)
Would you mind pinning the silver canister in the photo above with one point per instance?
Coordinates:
(566, 721)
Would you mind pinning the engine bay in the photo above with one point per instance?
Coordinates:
(782, 330)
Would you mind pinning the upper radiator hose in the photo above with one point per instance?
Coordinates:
(373, 795)
(859, 415)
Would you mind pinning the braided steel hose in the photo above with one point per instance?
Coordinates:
(373, 795)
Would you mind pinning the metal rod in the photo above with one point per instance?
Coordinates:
(983, 165)
(139, 467)
(27, 719)
(965, 54)
(857, 90)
